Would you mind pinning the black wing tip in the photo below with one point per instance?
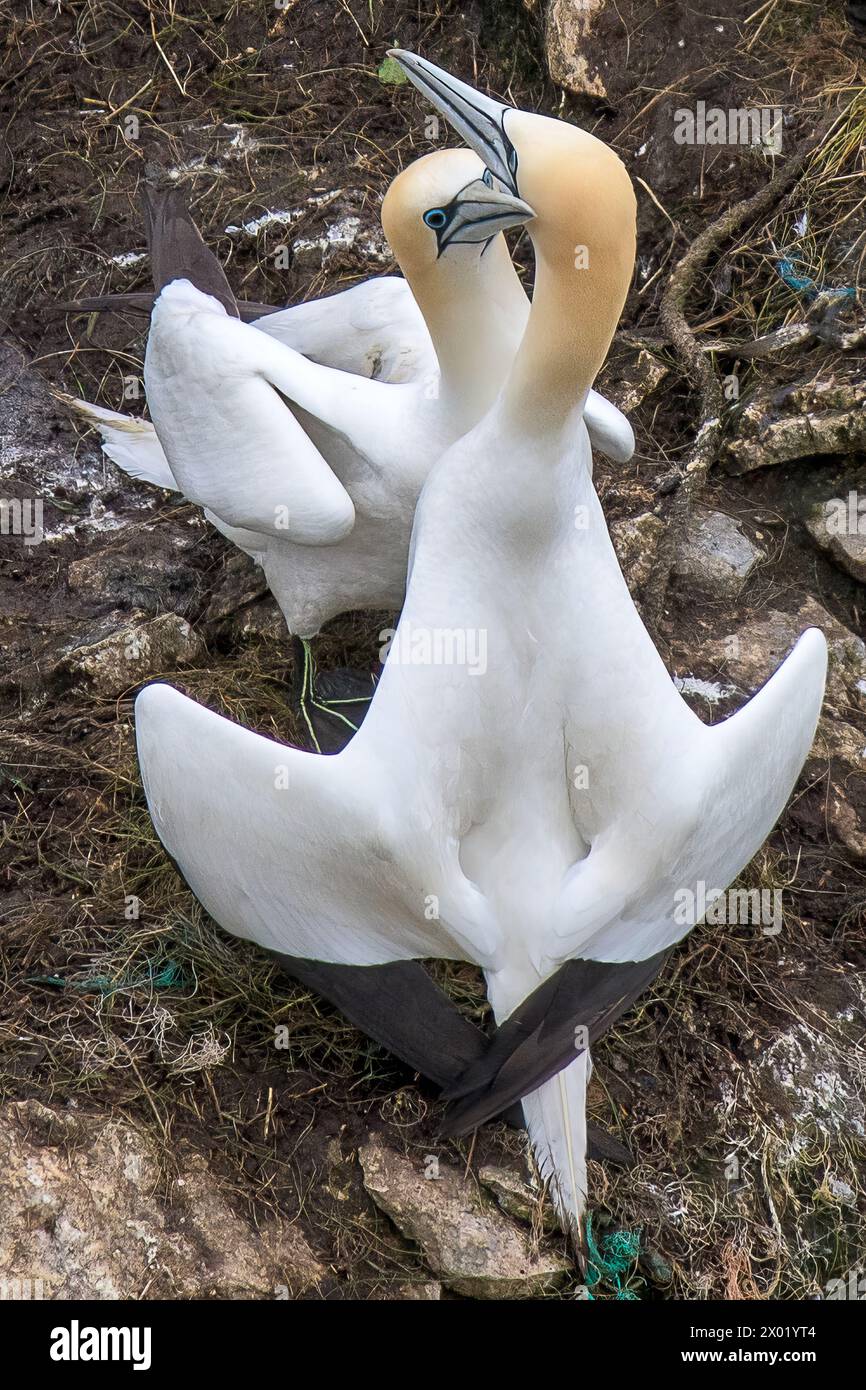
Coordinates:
(177, 248)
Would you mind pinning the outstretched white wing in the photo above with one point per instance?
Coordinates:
(630, 897)
(306, 855)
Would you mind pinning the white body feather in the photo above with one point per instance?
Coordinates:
(533, 789)
(236, 448)
(460, 787)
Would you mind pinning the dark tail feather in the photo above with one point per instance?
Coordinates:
(136, 303)
(539, 1038)
(602, 1146)
(177, 251)
(142, 301)
(401, 1007)
(405, 1011)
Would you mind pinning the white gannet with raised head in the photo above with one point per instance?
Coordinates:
(290, 458)
(529, 791)
(313, 471)
(216, 410)
(374, 329)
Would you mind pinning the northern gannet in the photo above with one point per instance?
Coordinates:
(233, 446)
(312, 471)
(529, 791)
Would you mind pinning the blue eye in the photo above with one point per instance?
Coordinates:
(436, 219)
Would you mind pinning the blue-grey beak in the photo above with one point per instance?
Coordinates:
(477, 214)
(479, 119)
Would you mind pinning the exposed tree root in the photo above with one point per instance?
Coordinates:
(697, 363)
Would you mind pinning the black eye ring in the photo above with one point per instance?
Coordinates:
(436, 219)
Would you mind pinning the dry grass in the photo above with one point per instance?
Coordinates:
(168, 1017)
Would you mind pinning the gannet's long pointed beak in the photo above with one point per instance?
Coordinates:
(478, 118)
(478, 213)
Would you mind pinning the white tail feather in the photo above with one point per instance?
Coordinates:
(555, 1117)
(130, 443)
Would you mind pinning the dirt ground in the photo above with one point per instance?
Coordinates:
(738, 1080)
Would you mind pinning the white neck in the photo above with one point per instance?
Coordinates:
(476, 327)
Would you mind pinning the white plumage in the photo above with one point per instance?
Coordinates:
(374, 329)
(548, 798)
(247, 415)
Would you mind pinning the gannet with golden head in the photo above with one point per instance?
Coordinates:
(325, 501)
(292, 457)
(528, 791)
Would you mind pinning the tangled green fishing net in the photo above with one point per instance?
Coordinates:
(156, 975)
(609, 1258)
